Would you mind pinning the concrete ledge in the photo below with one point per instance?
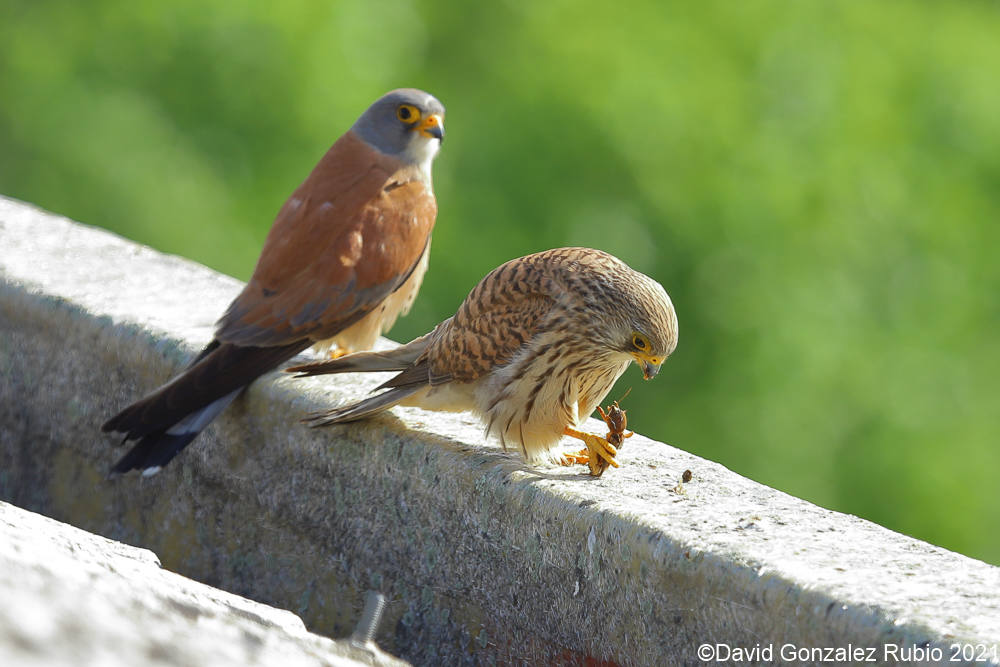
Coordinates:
(73, 598)
(483, 558)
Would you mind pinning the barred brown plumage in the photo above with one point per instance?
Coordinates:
(532, 350)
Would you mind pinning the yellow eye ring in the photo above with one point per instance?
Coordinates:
(408, 113)
(640, 342)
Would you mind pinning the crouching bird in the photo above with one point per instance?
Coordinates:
(532, 350)
(344, 257)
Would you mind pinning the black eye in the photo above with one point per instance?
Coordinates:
(639, 341)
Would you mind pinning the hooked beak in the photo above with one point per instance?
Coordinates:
(432, 126)
(650, 365)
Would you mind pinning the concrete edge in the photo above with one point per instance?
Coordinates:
(498, 558)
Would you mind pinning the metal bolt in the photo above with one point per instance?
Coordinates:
(364, 632)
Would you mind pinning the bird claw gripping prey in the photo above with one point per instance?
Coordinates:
(599, 453)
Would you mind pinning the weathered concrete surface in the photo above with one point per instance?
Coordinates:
(482, 557)
(73, 598)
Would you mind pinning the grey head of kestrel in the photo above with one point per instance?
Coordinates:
(533, 350)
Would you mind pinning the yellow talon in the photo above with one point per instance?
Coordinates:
(600, 452)
(336, 352)
(574, 458)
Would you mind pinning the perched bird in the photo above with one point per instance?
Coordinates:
(532, 350)
(345, 256)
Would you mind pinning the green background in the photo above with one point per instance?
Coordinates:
(817, 185)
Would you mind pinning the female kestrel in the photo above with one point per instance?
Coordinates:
(345, 256)
(532, 350)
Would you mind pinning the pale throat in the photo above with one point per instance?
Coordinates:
(422, 153)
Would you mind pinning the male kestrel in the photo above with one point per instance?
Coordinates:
(532, 350)
(345, 256)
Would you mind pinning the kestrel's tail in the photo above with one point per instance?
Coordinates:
(361, 409)
(155, 450)
(403, 358)
(397, 359)
(167, 420)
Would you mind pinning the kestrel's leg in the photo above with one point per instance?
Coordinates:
(336, 352)
(598, 449)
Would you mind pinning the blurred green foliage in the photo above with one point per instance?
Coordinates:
(817, 185)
